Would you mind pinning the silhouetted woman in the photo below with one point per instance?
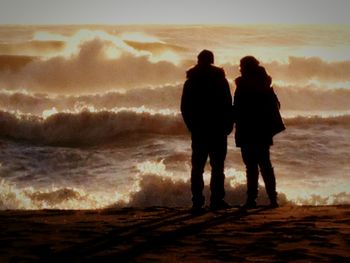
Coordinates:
(257, 120)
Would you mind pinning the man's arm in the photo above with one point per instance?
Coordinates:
(228, 108)
(186, 104)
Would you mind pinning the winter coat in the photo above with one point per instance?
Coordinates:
(256, 110)
(206, 101)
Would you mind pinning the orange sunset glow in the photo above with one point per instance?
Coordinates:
(108, 110)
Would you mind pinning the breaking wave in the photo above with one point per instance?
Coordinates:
(91, 128)
(152, 190)
(87, 128)
(15, 197)
(95, 60)
(108, 86)
(158, 97)
(165, 96)
(154, 185)
(91, 60)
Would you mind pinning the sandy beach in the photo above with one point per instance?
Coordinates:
(161, 234)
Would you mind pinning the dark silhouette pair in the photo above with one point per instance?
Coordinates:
(207, 110)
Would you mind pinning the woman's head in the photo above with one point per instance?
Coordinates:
(248, 64)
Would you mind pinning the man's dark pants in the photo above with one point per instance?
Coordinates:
(213, 146)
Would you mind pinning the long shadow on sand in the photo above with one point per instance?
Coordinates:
(127, 243)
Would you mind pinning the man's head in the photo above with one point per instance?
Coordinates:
(205, 57)
(248, 64)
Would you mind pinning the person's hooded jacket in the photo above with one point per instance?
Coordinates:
(256, 109)
(206, 102)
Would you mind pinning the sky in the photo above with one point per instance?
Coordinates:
(174, 12)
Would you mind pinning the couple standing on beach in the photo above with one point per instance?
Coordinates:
(209, 114)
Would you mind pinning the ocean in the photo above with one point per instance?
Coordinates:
(89, 114)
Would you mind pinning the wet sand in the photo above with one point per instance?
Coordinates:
(161, 234)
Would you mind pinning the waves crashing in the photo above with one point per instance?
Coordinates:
(91, 128)
(152, 190)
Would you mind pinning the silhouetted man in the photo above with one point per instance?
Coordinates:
(206, 109)
(257, 119)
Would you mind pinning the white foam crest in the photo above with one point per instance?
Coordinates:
(152, 187)
(114, 46)
(158, 186)
(235, 177)
(157, 97)
(157, 190)
(305, 100)
(155, 168)
(342, 198)
(73, 43)
(14, 197)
